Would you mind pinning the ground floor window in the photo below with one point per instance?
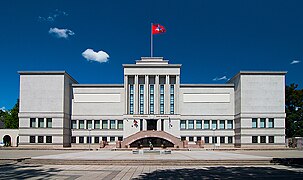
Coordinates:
(120, 138)
(49, 139)
(214, 139)
(222, 140)
(96, 139)
(263, 139)
(198, 138)
(191, 138)
(255, 139)
(32, 139)
(271, 139)
(206, 140)
(88, 139)
(230, 139)
(112, 139)
(104, 139)
(73, 139)
(40, 139)
(81, 139)
(183, 138)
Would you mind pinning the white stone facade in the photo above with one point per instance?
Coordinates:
(248, 111)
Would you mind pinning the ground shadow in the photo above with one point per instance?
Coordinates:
(224, 173)
(23, 171)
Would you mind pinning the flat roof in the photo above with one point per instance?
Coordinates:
(98, 85)
(47, 73)
(208, 85)
(258, 73)
(152, 65)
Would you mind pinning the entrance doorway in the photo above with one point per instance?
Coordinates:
(7, 140)
(155, 141)
(152, 124)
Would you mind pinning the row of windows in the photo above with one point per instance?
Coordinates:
(262, 139)
(205, 124)
(48, 139)
(42, 122)
(161, 99)
(262, 123)
(105, 124)
(214, 139)
(172, 99)
(151, 102)
(95, 139)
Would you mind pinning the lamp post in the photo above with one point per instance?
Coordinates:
(214, 137)
(89, 138)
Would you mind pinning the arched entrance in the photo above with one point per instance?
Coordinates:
(155, 141)
(7, 140)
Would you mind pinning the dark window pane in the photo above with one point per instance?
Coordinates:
(32, 139)
(73, 139)
(40, 139)
(49, 139)
(255, 139)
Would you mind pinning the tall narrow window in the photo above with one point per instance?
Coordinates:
(40, 122)
(270, 122)
(222, 124)
(229, 124)
(206, 124)
(89, 124)
(214, 124)
(74, 124)
(33, 122)
(198, 124)
(161, 99)
(182, 124)
(151, 99)
(172, 99)
(120, 124)
(104, 124)
(48, 122)
(254, 122)
(141, 99)
(112, 124)
(97, 124)
(81, 124)
(190, 124)
(131, 99)
(262, 123)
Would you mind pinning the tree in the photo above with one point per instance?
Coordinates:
(11, 120)
(294, 111)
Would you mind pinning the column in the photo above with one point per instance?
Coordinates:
(157, 96)
(77, 122)
(93, 124)
(146, 95)
(177, 86)
(126, 95)
(167, 95)
(136, 95)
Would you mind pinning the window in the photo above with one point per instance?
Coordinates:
(183, 138)
(262, 123)
(222, 140)
(190, 124)
(198, 138)
(191, 139)
(40, 139)
(120, 138)
(152, 101)
(89, 140)
(41, 122)
(97, 124)
(81, 139)
(104, 138)
(206, 124)
(96, 140)
(104, 124)
(131, 99)
(271, 123)
(120, 124)
(49, 139)
(74, 124)
(73, 139)
(222, 124)
(32, 139)
(49, 122)
(198, 124)
(263, 139)
(172, 99)
(89, 124)
(230, 139)
(271, 139)
(161, 99)
(32, 122)
(206, 140)
(81, 124)
(182, 124)
(229, 124)
(141, 99)
(214, 139)
(254, 123)
(214, 124)
(112, 124)
(254, 139)
(112, 139)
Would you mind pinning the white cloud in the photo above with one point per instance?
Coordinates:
(99, 56)
(295, 62)
(3, 109)
(219, 79)
(52, 16)
(61, 33)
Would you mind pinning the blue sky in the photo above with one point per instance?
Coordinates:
(212, 39)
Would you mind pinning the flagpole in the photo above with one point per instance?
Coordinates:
(151, 40)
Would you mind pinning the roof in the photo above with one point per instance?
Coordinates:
(99, 85)
(208, 85)
(258, 73)
(47, 73)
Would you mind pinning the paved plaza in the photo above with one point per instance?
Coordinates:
(20, 170)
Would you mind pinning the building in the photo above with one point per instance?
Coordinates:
(152, 106)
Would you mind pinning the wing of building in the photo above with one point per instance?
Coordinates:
(152, 107)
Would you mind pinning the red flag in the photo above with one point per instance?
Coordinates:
(158, 29)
